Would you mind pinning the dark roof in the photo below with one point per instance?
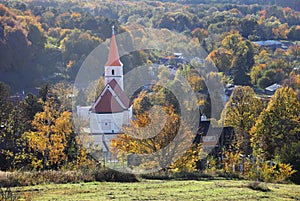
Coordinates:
(225, 138)
(121, 94)
(111, 100)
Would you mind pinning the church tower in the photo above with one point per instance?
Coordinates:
(114, 67)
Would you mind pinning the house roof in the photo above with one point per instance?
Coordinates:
(268, 42)
(273, 87)
(112, 99)
(113, 55)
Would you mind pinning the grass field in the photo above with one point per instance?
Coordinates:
(160, 190)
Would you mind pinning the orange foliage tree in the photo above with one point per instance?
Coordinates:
(48, 140)
(161, 135)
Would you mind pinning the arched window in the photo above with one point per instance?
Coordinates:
(112, 72)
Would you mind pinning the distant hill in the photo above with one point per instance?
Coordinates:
(295, 4)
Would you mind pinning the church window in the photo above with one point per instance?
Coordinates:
(106, 125)
(113, 72)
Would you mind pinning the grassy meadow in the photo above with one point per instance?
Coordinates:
(161, 190)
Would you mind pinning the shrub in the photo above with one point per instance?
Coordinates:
(258, 186)
(279, 172)
(285, 172)
(45, 177)
(111, 175)
(158, 176)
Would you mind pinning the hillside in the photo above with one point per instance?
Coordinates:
(47, 42)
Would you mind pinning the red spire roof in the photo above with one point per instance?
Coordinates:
(113, 55)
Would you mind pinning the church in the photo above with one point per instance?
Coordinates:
(112, 109)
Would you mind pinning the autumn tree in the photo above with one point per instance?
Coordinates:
(242, 57)
(160, 138)
(241, 112)
(48, 139)
(231, 41)
(276, 132)
(278, 125)
(222, 59)
(294, 33)
(200, 34)
(294, 51)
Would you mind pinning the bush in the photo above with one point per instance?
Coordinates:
(111, 175)
(62, 177)
(183, 175)
(45, 177)
(258, 186)
(279, 172)
(158, 176)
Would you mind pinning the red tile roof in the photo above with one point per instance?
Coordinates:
(108, 103)
(113, 55)
(121, 94)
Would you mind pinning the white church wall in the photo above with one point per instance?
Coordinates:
(106, 123)
(114, 72)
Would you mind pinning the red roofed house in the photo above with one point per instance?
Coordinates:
(112, 108)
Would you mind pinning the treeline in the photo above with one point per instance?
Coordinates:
(283, 3)
(44, 41)
(40, 45)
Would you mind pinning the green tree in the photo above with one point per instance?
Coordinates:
(221, 58)
(242, 63)
(6, 107)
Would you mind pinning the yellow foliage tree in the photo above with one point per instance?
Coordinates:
(241, 112)
(48, 141)
(161, 139)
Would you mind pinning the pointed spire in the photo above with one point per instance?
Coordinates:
(113, 55)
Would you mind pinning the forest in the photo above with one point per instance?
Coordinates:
(44, 43)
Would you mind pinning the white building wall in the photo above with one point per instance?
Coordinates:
(108, 123)
(118, 75)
